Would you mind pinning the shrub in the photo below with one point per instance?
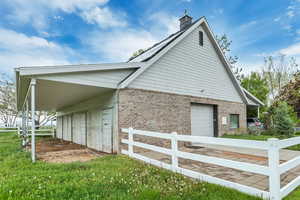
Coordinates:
(283, 119)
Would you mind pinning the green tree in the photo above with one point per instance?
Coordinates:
(257, 85)
(282, 118)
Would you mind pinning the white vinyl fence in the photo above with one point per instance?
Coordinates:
(39, 132)
(273, 170)
(9, 129)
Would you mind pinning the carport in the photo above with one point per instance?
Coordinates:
(83, 96)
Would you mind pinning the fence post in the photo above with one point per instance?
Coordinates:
(130, 141)
(274, 177)
(174, 146)
(19, 132)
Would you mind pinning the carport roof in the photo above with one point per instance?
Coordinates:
(252, 100)
(25, 74)
(38, 70)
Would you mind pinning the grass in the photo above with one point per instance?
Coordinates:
(112, 177)
(261, 138)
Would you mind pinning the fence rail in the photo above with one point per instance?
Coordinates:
(273, 170)
(39, 132)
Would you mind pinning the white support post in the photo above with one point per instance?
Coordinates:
(174, 146)
(130, 141)
(27, 121)
(258, 116)
(33, 84)
(274, 178)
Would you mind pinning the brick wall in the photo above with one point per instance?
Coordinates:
(164, 112)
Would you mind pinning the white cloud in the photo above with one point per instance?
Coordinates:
(290, 13)
(164, 23)
(287, 27)
(119, 45)
(103, 17)
(277, 19)
(18, 49)
(248, 25)
(291, 50)
(73, 5)
(37, 12)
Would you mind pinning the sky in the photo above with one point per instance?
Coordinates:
(59, 32)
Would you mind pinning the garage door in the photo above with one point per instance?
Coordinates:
(79, 128)
(202, 119)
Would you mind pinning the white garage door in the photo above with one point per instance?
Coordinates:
(202, 119)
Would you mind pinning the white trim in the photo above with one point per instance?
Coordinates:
(40, 70)
(253, 97)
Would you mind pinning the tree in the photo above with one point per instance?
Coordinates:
(136, 53)
(225, 44)
(290, 93)
(278, 72)
(8, 105)
(8, 108)
(282, 118)
(257, 85)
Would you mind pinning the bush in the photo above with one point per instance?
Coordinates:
(282, 119)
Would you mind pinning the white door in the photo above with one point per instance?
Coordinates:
(59, 129)
(67, 127)
(107, 131)
(99, 134)
(79, 128)
(202, 119)
(94, 129)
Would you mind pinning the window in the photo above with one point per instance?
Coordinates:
(200, 38)
(234, 121)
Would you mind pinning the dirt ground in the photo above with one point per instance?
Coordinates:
(59, 151)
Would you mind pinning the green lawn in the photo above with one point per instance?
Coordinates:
(260, 137)
(110, 177)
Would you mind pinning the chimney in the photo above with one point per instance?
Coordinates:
(185, 21)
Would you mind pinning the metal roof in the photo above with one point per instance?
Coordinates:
(156, 48)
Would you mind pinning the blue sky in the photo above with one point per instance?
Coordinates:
(43, 32)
